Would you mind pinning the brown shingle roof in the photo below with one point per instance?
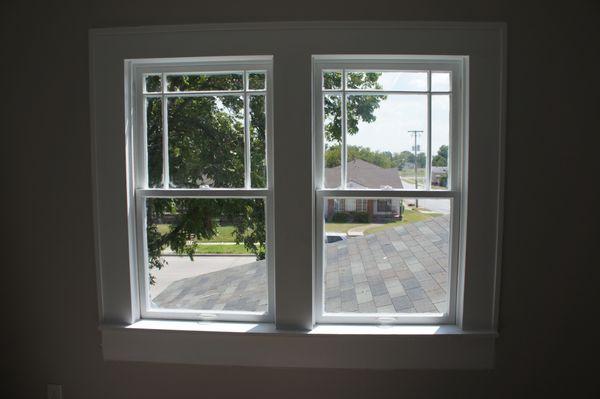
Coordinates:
(364, 174)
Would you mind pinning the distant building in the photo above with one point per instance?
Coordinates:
(439, 175)
(361, 175)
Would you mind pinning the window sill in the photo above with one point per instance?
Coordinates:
(325, 346)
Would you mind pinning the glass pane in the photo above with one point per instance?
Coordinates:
(332, 126)
(206, 141)
(205, 82)
(391, 258)
(153, 83)
(386, 141)
(258, 165)
(440, 81)
(440, 140)
(155, 141)
(256, 81)
(332, 80)
(374, 80)
(207, 254)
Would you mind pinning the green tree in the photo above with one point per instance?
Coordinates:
(441, 159)
(405, 157)
(359, 107)
(421, 160)
(384, 159)
(206, 146)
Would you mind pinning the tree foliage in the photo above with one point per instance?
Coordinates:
(441, 159)
(359, 107)
(206, 147)
(383, 159)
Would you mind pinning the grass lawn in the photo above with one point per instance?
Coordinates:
(341, 227)
(409, 216)
(224, 233)
(236, 249)
(408, 172)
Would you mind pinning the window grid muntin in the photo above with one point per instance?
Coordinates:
(344, 92)
(165, 94)
(375, 70)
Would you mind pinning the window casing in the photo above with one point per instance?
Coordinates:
(388, 199)
(249, 183)
(468, 342)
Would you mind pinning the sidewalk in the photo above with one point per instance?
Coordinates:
(360, 230)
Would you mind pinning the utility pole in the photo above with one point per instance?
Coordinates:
(416, 134)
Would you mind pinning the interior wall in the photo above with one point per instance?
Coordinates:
(549, 273)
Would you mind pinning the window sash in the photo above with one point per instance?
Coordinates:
(147, 312)
(165, 67)
(382, 63)
(430, 64)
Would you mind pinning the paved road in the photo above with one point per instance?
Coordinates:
(441, 206)
(180, 267)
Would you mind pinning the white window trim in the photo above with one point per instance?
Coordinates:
(135, 70)
(458, 161)
(294, 340)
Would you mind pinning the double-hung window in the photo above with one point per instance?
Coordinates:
(295, 194)
(384, 126)
(202, 189)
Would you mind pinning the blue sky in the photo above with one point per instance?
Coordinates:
(400, 113)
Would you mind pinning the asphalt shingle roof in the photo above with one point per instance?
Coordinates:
(364, 174)
(402, 269)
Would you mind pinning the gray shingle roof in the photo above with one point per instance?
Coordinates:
(401, 269)
(364, 174)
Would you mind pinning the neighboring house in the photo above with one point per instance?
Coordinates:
(439, 175)
(362, 174)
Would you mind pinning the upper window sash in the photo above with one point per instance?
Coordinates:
(199, 66)
(385, 63)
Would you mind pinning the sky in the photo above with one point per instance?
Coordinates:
(400, 113)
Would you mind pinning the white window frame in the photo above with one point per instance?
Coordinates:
(138, 70)
(294, 338)
(458, 67)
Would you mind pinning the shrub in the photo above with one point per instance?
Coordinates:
(444, 181)
(340, 217)
(360, 217)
